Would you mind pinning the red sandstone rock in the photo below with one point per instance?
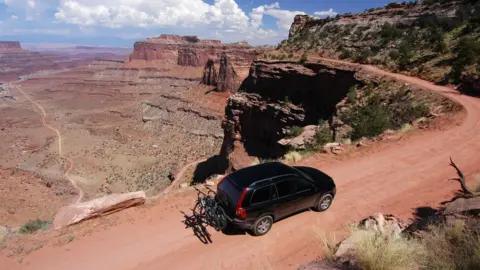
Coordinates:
(189, 51)
(227, 77)
(209, 74)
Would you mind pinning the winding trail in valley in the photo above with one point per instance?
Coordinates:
(60, 150)
(403, 176)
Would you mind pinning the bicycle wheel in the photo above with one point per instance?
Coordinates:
(199, 210)
(221, 218)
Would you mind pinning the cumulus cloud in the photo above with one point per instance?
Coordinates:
(14, 17)
(284, 17)
(326, 13)
(151, 13)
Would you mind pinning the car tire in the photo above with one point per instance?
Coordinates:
(262, 225)
(324, 203)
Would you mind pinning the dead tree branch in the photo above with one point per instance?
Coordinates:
(461, 179)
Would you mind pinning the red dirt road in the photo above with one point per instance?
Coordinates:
(408, 174)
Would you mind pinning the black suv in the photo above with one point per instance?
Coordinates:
(254, 197)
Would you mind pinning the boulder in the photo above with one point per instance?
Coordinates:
(462, 205)
(103, 206)
(386, 225)
(301, 141)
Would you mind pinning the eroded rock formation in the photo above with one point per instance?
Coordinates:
(188, 50)
(278, 96)
(209, 74)
(227, 77)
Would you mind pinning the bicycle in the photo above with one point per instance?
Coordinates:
(209, 211)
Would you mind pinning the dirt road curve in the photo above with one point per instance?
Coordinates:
(59, 137)
(408, 174)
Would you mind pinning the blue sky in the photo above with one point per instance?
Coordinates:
(121, 22)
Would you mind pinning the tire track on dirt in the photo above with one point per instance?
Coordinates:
(60, 150)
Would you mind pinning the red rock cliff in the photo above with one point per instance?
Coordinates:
(188, 51)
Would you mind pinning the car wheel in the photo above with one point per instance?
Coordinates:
(324, 202)
(262, 225)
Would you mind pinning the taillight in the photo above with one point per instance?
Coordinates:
(239, 211)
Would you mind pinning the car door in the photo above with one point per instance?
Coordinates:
(260, 202)
(306, 194)
(286, 200)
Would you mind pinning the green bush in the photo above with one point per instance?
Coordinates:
(303, 59)
(352, 95)
(35, 225)
(368, 120)
(467, 53)
(344, 54)
(294, 131)
(323, 136)
(390, 32)
(290, 55)
(363, 56)
(394, 54)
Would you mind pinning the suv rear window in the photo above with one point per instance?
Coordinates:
(230, 192)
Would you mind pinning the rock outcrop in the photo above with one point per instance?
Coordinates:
(278, 96)
(227, 77)
(188, 50)
(76, 213)
(10, 45)
(209, 74)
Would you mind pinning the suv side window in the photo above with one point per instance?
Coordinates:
(303, 184)
(287, 187)
(261, 195)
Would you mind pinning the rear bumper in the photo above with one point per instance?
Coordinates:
(240, 223)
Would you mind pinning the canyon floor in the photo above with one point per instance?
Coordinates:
(400, 177)
(121, 129)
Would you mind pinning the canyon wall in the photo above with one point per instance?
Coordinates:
(188, 50)
(339, 100)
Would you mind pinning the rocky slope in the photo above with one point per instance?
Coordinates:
(436, 40)
(340, 102)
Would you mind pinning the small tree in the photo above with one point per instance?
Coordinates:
(303, 59)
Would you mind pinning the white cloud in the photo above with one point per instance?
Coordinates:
(325, 13)
(151, 13)
(284, 17)
(31, 3)
(14, 17)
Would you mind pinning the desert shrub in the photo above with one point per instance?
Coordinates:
(394, 54)
(294, 131)
(452, 247)
(344, 54)
(373, 251)
(35, 225)
(390, 32)
(352, 94)
(323, 135)
(368, 120)
(467, 53)
(405, 54)
(303, 59)
(363, 56)
(290, 55)
(371, 10)
(282, 57)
